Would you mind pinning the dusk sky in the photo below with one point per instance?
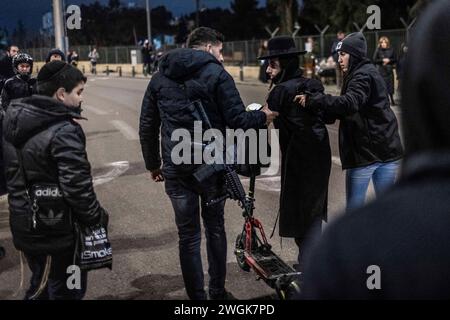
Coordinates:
(31, 11)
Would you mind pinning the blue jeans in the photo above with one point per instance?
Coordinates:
(185, 195)
(357, 181)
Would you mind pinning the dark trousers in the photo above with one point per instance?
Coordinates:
(56, 288)
(305, 243)
(185, 196)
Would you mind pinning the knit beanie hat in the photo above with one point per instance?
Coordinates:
(354, 44)
(51, 69)
(55, 51)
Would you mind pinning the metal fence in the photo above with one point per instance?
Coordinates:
(235, 52)
(247, 51)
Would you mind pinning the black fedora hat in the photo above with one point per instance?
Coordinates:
(281, 46)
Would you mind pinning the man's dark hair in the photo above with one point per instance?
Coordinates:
(204, 35)
(58, 74)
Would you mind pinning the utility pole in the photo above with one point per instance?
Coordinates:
(58, 22)
(149, 22)
(197, 13)
(66, 36)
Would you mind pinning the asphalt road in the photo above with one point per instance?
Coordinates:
(142, 227)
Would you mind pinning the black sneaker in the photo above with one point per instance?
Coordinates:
(2, 252)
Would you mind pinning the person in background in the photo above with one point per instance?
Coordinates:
(263, 76)
(385, 59)
(55, 54)
(147, 57)
(22, 84)
(93, 58)
(69, 56)
(400, 66)
(74, 59)
(6, 72)
(6, 68)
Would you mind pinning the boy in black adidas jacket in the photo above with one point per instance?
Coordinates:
(52, 146)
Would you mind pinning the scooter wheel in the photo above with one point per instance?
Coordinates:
(289, 291)
(240, 257)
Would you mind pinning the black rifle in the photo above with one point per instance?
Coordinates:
(235, 190)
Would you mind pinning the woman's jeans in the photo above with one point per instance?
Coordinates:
(383, 175)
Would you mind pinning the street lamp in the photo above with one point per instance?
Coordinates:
(197, 13)
(149, 22)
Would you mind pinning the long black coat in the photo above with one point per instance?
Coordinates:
(386, 71)
(305, 158)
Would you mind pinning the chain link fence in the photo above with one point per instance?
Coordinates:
(236, 52)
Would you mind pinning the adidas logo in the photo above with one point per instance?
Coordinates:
(48, 192)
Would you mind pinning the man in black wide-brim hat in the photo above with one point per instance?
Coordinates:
(304, 144)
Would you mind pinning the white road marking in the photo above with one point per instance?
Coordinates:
(118, 168)
(95, 110)
(128, 131)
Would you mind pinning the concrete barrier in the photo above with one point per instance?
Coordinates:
(250, 73)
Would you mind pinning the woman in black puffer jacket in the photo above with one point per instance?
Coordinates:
(369, 140)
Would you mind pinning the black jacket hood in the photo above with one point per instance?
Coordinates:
(182, 63)
(28, 116)
(425, 92)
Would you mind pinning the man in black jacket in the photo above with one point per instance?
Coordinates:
(43, 130)
(398, 247)
(6, 68)
(186, 75)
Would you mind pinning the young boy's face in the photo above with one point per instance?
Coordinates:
(71, 99)
(23, 68)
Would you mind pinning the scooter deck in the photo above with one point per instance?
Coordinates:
(268, 265)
